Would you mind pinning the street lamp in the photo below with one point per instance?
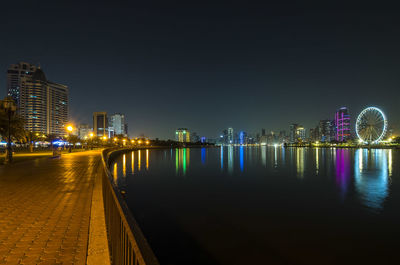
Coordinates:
(70, 128)
(91, 140)
(9, 107)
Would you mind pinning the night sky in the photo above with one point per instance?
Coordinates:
(207, 66)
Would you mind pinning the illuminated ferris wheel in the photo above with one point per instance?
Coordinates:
(371, 125)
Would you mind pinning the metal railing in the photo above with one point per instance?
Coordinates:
(126, 241)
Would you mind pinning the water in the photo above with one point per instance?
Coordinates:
(265, 205)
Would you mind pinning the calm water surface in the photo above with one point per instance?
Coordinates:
(265, 205)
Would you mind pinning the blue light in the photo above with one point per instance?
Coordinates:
(203, 155)
(241, 158)
(59, 142)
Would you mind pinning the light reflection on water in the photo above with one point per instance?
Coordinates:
(371, 176)
(274, 194)
(370, 170)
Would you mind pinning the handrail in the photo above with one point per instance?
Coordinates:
(128, 246)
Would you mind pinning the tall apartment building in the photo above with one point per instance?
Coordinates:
(117, 125)
(15, 74)
(297, 132)
(42, 103)
(342, 124)
(182, 135)
(84, 131)
(100, 124)
(326, 130)
(230, 136)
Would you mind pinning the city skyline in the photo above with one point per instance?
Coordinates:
(208, 68)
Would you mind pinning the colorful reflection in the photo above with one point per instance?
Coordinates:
(222, 157)
(230, 160)
(300, 162)
(316, 161)
(147, 159)
(139, 165)
(371, 177)
(275, 156)
(241, 157)
(264, 155)
(203, 156)
(124, 165)
(182, 157)
(343, 170)
(115, 173)
(133, 162)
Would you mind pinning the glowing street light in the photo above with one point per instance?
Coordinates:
(69, 130)
(147, 142)
(140, 142)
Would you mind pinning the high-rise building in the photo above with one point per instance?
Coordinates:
(242, 137)
(326, 130)
(297, 132)
(84, 131)
(117, 124)
(230, 136)
(224, 137)
(100, 124)
(301, 133)
(282, 137)
(182, 135)
(16, 75)
(314, 134)
(292, 133)
(342, 124)
(194, 137)
(41, 103)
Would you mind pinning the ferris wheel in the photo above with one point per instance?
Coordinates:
(371, 125)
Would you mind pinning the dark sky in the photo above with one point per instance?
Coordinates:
(209, 66)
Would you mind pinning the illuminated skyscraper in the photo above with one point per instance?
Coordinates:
(100, 124)
(182, 135)
(326, 130)
(301, 133)
(230, 136)
(242, 137)
(42, 104)
(342, 124)
(292, 133)
(117, 124)
(16, 75)
(84, 131)
(297, 132)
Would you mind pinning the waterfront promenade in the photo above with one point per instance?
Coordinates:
(46, 208)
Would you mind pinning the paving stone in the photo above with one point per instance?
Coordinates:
(45, 207)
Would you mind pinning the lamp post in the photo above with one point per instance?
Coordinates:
(91, 140)
(69, 130)
(9, 107)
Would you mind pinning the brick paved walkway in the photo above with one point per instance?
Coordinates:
(45, 209)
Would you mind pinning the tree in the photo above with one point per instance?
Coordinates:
(16, 126)
(30, 137)
(73, 139)
(11, 124)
